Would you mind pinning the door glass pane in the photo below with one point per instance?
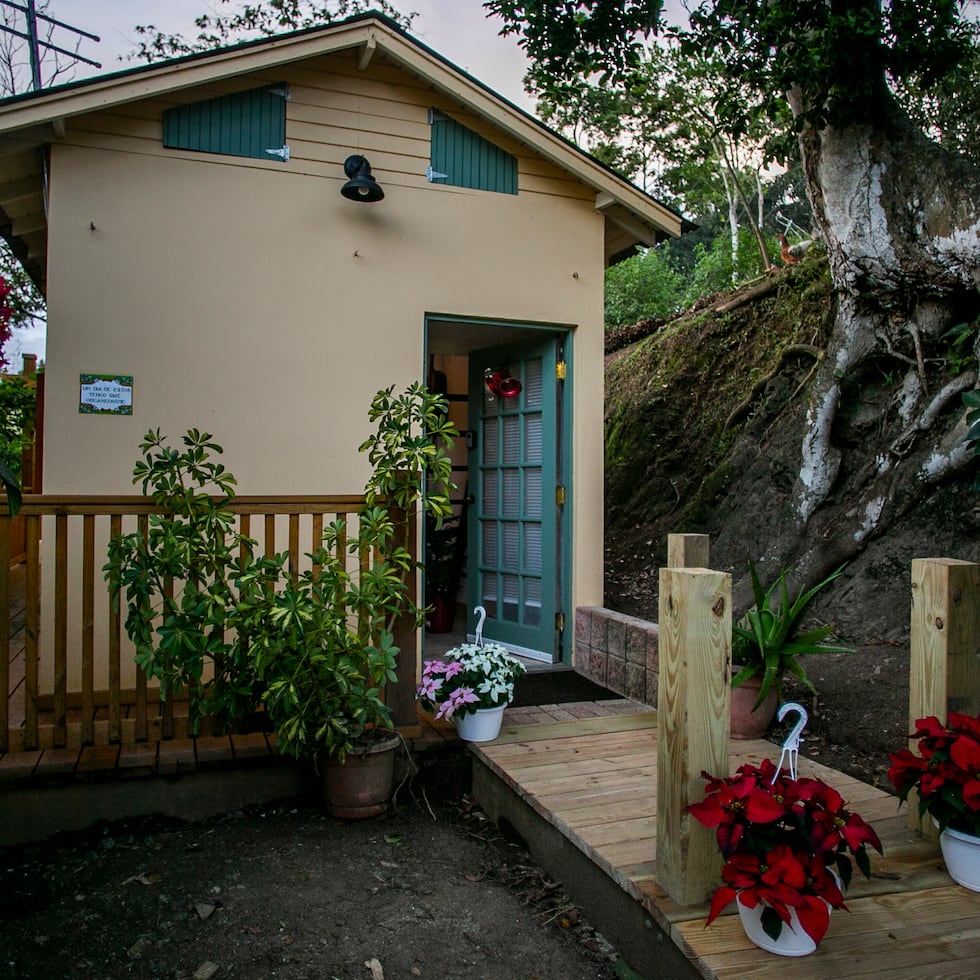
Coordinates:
(488, 594)
(532, 438)
(489, 543)
(511, 448)
(489, 440)
(510, 543)
(532, 601)
(489, 502)
(511, 480)
(532, 549)
(510, 598)
(532, 492)
(533, 388)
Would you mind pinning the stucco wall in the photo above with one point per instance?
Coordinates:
(250, 299)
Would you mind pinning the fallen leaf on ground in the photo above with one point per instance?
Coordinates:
(377, 972)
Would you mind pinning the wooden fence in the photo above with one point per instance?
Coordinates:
(66, 672)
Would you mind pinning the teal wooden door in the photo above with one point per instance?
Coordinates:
(516, 528)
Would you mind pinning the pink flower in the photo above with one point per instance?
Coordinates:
(460, 697)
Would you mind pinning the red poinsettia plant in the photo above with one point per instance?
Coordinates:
(787, 843)
(945, 772)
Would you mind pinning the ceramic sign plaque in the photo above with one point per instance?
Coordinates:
(105, 394)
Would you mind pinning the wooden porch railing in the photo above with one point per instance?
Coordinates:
(64, 634)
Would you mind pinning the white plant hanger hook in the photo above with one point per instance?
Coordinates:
(791, 745)
(482, 615)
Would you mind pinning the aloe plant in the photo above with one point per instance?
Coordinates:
(768, 641)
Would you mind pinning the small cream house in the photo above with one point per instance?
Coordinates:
(208, 257)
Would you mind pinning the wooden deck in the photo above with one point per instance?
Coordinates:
(594, 782)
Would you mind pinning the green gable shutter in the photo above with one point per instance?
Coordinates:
(246, 124)
(463, 158)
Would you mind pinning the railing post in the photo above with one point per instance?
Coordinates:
(944, 669)
(693, 723)
(688, 551)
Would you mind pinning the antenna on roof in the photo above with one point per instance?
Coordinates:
(34, 43)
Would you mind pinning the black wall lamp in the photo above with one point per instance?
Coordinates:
(360, 186)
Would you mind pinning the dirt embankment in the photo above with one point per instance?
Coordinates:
(705, 417)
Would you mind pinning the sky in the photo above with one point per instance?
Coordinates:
(457, 29)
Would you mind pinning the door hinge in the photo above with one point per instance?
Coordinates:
(560, 622)
(561, 370)
(282, 152)
(560, 495)
(282, 91)
(431, 175)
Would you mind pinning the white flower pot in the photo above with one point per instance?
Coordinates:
(961, 852)
(793, 939)
(482, 725)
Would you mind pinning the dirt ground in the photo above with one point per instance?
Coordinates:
(429, 891)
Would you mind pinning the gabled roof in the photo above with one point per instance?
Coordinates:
(31, 122)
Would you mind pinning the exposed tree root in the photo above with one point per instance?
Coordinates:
(792, 350)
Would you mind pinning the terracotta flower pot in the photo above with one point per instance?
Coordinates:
(746, 722)
(361, 785)
(440, 620)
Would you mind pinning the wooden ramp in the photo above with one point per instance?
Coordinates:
(594, 782)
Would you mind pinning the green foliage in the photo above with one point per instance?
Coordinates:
(243, 20)
(960, 353)
(17, 399)
(835, 55)
(972, 401)
(949, 111)
(178, 580)
(567, 39)
(643, 287)
(11, 487)
(654, 285)
(412, 437)
(768, 639)
(321, 646)
(235, 630)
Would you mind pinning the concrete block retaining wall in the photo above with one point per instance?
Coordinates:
(618, 652)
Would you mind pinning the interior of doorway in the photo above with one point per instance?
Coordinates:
(448, 347)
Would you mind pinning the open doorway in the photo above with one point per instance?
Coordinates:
(506, 547)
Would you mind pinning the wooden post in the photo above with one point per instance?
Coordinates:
(687, 551)
(944, 670)
(693, 723)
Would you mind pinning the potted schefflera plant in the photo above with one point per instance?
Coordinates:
(767, 643)
(315, 649)
(322, 645)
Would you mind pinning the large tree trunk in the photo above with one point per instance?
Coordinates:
(901, 221)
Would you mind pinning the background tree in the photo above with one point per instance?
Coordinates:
(897, 211)
(231, 20)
